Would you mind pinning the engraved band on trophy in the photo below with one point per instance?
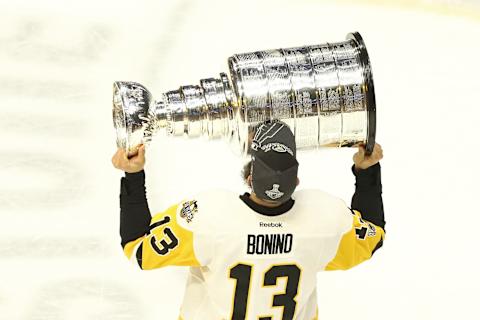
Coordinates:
(325, 93)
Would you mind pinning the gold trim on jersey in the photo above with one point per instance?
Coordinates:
(357, 245)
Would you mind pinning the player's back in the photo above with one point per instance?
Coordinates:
(259, 263)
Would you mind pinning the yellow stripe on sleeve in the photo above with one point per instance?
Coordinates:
(168, 243)
(357, 245)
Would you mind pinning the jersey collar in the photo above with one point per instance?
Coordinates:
(267, 211)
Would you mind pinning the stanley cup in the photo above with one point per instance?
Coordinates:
(324, 93)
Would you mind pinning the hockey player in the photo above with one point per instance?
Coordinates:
(256, 255)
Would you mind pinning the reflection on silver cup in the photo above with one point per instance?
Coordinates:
(325, 93)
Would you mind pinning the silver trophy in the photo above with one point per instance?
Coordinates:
(324, 92)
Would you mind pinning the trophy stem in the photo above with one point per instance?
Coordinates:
(194, 111)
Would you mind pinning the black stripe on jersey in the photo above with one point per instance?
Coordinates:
(139, 255)
(367, 198)
(134, 212)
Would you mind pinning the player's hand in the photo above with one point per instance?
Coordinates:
(135, 163)
(362, 161)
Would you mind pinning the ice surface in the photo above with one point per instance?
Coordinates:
(60, 256)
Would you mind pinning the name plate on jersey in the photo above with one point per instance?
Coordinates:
(269, 244)
(325, 93)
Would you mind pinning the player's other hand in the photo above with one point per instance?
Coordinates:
(135, 163)
(362, 161)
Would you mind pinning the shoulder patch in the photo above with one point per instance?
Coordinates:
(188, 210)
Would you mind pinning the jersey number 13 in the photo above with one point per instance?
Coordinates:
(242, 274)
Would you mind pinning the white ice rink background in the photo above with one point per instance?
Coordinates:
(60, 254)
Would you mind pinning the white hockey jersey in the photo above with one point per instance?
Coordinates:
(246, 265)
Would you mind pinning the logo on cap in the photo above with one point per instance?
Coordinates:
(265, 132)
(274, 193)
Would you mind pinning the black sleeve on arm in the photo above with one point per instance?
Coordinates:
(134, 212)
(368, 195)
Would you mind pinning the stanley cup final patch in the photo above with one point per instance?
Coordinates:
(189, 209)
(274, 193)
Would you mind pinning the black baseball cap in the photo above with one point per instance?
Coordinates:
(274, 163)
